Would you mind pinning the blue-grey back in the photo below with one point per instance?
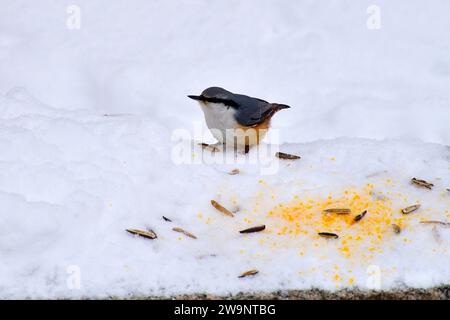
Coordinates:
(249, 111)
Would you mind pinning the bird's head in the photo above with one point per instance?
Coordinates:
(213, 95)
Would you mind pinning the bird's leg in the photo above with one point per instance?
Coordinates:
(242, 149)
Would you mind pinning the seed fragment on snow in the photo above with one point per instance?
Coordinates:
(221, 208)
(186, 233)
(422, 183)
(442, 223)
(204, 256)
(410, 209)
(145, 234)
(287, 156)
(167, 219)
(360, 216)
(234, 172)
(328, 235)
(248, 273)
(254, 229)
(337, 211)
(209, 147)
(116, 114)
(436, 234)
(396, 228)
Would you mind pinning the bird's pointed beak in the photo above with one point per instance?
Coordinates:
(198, 98)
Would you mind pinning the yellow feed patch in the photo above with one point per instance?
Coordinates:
(304, 218)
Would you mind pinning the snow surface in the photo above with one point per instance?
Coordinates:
(72, 179)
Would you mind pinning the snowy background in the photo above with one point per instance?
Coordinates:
(72, 179)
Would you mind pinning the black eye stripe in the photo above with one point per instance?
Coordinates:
(226, 102)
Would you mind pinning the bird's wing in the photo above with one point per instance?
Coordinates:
(251, 111)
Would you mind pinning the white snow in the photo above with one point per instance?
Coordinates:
(370, 110)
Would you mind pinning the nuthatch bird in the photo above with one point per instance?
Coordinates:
(236, 119)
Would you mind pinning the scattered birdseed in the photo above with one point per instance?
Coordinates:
(222, 209)
(287, 156)
(234, 172)
(328, 235)
(186, 233)
(248, 273)
(167, 219)
(396, 228)
(337, 211)
(254, 229)
(360, 216)
(145, 234)
(410, 209)
(422, 183)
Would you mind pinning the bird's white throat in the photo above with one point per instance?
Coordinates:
(219, 118)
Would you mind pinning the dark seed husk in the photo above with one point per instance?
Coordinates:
(221, 208)
(209, 147)
(410, 209)
(248, 273)
(186, 233)
(360, 216)
(328, 235)
(396, 228)
(287, 156)
(422, 183)
(167, 219)
(337, 211)
(234, 172)
(254, 229)
(145, 234)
